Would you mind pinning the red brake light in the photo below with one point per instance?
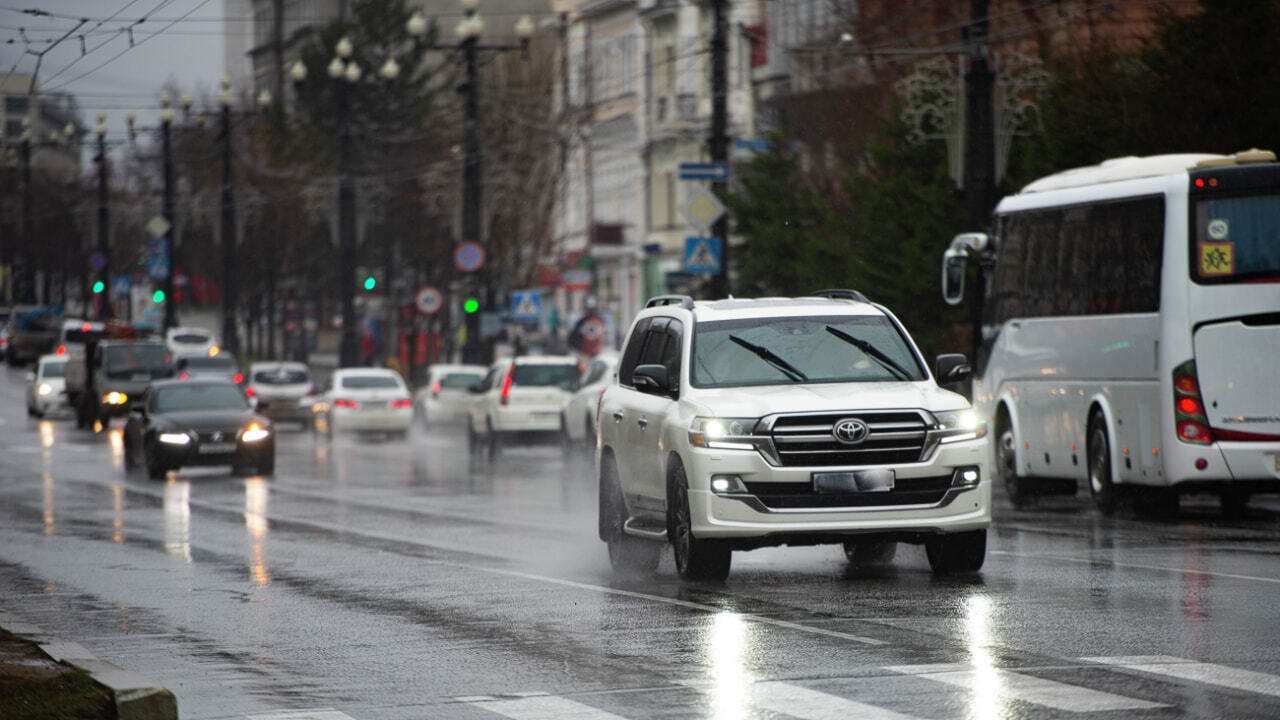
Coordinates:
(238, 379)
(506, 385)
(435, 390)
(86, 327)
(345, 403)
(402, 403)
(1199, 182)
(183, 376)
(249, 391)
(1190, 406)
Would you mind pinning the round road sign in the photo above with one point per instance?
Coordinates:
(428, 300)
(468, 257)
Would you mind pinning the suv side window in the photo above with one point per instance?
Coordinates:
(655, 342)
(671, 353)
(630, 357)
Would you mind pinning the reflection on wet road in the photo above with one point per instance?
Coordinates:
(373, 578)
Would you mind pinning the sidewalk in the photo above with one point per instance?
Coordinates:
(44, 677)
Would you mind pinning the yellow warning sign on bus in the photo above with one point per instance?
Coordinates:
(1217, 258)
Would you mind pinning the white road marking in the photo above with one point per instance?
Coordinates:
(318, 714)
(809, 704)
(534, 706)
(1026, 688)
(1207, 673)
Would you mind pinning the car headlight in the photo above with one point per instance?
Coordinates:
(254, 433)
(722, 433)
(44, 389)
(115, 398)
(175, 438)
(960, 425)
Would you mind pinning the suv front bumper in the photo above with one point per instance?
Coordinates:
(928, 498)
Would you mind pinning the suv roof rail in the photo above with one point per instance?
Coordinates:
(685, 301)
(838, 294)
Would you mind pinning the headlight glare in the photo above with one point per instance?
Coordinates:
(722, 433)
(959, 425)
(44, 389)
(254, 433)
(115, 398)
(175, 438)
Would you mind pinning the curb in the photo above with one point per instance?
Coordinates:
(136, 697)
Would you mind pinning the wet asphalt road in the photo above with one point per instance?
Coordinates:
(395, 579)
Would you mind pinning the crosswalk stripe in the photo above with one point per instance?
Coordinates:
(546, 707)
(809, 704)
(1207, 673)
(318, 714)
(1027, 688)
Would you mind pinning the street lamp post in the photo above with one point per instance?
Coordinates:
(346, 72)
(104, 249)
(230, 336)
(468, 32)
(166, 121)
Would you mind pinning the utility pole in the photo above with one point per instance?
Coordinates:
(348, 350)
(230, 335)
(104, 249)
(166, 123)
(719, 137)
(473, 351)
(979, 181)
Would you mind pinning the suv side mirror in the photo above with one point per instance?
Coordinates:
(651, 379)
(951, 368)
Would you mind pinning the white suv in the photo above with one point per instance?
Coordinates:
(737, 424)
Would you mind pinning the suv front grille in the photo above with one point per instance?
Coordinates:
(894, 438)
(906, 491)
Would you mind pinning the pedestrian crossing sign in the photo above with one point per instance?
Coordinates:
(702, 254)
(526, 305)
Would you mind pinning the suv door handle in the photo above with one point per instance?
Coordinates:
(617, 416)
(644, 423)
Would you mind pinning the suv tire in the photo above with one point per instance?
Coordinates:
(695, 559)
(957, 553)
(628, 555)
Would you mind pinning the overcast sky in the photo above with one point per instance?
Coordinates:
(177, 40)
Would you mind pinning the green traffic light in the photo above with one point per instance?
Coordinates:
(97, 287)
(369, 282)
(471, 305)
(157, 296)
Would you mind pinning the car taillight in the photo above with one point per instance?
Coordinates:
(344, 403)
(435, 390)
(237, 379)
(183, 376)
(249, 391)
(1188, 406)
(62, 349)
(506, 386)
(402, 403)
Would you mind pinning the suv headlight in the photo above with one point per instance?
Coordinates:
(722, 433)
(959, 425)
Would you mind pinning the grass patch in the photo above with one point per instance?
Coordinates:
(31, 691)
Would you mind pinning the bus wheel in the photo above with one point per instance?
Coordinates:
(1101, 485)
(1019, 488)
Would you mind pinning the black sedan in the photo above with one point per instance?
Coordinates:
(197, 422)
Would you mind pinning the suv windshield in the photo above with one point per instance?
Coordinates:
(780, 351)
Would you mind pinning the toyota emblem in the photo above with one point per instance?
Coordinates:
(850, 431)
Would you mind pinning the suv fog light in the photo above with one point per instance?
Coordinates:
(727, 485)
(965, 477)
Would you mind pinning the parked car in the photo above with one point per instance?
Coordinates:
(284, 390)
(445, 396)
(371, 399)
(190, 341)
(578, 419)
(520, 400)
(738, 424)
(197, 422)
(222, 366)
(47, 386)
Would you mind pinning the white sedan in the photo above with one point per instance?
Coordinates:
(446, 395)
(47, 386)
(578, 420)
(373, 399)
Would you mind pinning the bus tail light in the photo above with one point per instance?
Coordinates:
(1188, 406)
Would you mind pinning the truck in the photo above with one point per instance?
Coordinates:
(111, 373)
(32, 332)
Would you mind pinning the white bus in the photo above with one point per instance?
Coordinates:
(1130, 329)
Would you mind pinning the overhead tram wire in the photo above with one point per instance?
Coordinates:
(113, 34)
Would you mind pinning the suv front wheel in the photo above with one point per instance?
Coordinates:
(695, 559)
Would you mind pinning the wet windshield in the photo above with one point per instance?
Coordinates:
(138, 358)
(774, 351)
(199, 397)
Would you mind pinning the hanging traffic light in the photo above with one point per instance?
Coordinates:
(98, 287)
(370, 282)
(471, 305)
(157, 296)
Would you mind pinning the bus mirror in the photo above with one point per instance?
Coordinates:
(953, 266)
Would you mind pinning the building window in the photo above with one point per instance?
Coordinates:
(15, 104)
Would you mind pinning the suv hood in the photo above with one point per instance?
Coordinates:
(823, 397)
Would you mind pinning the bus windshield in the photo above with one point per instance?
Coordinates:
(1237, 239)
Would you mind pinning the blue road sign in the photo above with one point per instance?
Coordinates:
(468, 257)
(702, 254)
(526, 305)
(120, 285)
(717, 172)
(157, 260)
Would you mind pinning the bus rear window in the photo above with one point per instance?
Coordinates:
(1237, 239)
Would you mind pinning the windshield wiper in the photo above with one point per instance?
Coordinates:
(872, 352)
(772, 358)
